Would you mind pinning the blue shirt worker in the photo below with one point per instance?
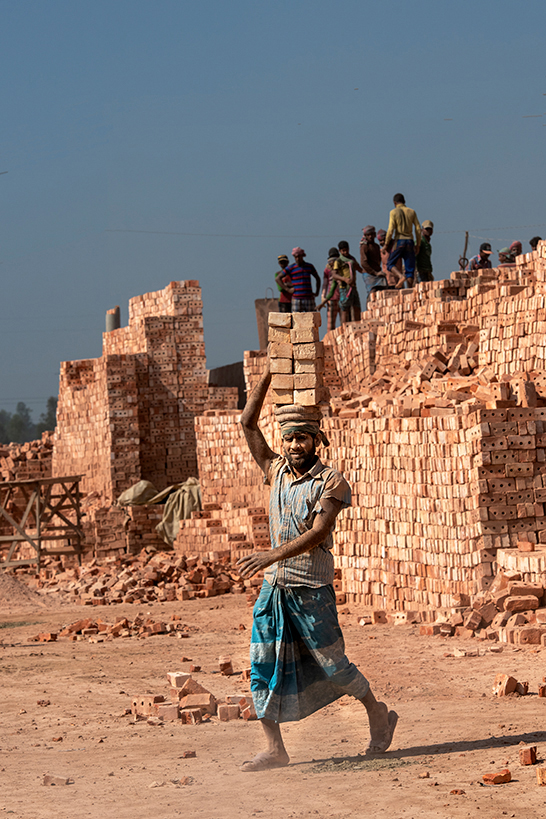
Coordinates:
(303, 296)
(298, 661)
(403, 222)
(481, 261)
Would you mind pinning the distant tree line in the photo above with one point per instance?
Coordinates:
(18, 427)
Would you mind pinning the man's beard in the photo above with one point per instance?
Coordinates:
(302, 462)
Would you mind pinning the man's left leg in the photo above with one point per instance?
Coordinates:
(327, 646)
(275, 756)
(409, 262)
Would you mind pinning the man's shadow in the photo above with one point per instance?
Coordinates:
(459, 746)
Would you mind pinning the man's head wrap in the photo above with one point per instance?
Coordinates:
(295, 418)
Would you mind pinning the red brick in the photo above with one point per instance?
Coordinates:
(497, 778)
(528, 755)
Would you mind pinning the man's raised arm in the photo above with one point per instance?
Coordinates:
(259, 448)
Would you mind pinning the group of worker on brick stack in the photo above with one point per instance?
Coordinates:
(507, 255)
(392, 262)
(400, 256)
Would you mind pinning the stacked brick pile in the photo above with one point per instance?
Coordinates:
(130, 414)
(30, 461)
(297, 359)
(162, 577)
(442, 444)
(410, 323)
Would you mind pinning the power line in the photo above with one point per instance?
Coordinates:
(299, 235)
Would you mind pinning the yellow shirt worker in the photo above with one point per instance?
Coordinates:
(399, 240)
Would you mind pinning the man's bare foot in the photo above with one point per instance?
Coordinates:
(382, 726)
(265, 761)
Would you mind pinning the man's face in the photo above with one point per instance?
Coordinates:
(370, 236)
(344, 251)
(298, 258)
(299, 450)
(381, 240)
(283, 263)
(427, 232)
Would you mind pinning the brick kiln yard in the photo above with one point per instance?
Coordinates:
(452, 729)
(435, 407)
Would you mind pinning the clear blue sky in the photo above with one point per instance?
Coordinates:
(262, 124)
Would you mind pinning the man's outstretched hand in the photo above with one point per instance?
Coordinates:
(251, 564)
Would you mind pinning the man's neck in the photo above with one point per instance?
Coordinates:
(300, 473)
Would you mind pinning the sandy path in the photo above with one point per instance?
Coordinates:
(450, 726)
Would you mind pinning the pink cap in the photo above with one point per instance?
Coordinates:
(298, 251)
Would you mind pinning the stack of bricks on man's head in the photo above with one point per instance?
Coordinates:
(297, 359)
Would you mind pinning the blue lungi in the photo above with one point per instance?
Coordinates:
(297, 653)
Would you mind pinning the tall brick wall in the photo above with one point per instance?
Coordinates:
(129, 415)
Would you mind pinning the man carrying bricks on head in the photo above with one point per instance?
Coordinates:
(303, 297)
(297, 648)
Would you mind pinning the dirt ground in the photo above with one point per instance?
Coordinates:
(451, 727)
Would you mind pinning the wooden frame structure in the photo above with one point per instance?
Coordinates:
(42, 511)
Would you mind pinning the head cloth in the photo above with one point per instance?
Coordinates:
(295, 418)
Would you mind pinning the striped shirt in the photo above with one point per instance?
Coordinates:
(301, 280)
(293, 505)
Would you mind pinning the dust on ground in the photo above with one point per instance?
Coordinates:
(451, 729)
(14, 595)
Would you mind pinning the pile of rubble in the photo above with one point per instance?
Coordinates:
(512, 611)
(191, 703)
(142, 578)
(99, 631)
(23, 462)
(440, 383)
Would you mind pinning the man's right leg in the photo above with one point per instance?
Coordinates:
(408, 254)
(333, 310)
(395, 254)
(275, 756)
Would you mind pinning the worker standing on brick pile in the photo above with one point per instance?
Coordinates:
(402, 222)
(481, 261)
(534, 242)
(330, 290)
(284, 283)
(505, 257)
(344, 274)
(345, 252)
(370, 261)
(297, 649)
(395, 277)
(516, 249)
(423, 259)
(303, 297)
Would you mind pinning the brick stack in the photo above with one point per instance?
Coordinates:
(297, 359)
(23, 462)
(231, 529)
(130, 414)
